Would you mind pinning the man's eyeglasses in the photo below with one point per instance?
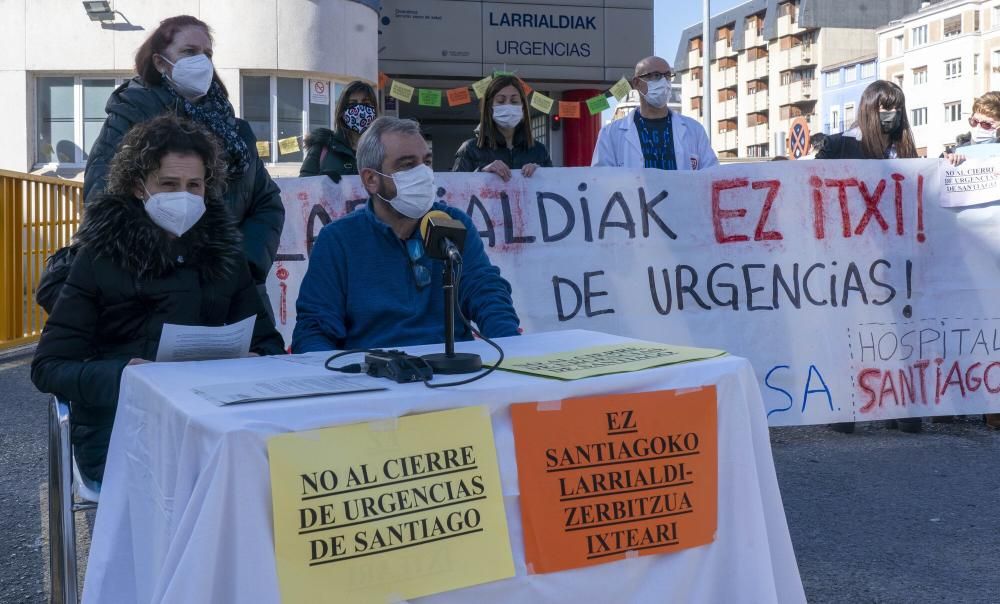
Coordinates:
(656, 76)
(416, 251)
(987, 126)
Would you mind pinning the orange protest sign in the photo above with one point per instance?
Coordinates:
(383, 80)
(459, 96)
(604, 478)
(527, 89)
(569, 109)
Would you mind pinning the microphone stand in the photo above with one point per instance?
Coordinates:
(451, 362)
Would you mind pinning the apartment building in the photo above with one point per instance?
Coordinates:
(943, 55)
(841, 89)
(765, 60)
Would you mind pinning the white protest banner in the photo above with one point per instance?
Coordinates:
(850, 287)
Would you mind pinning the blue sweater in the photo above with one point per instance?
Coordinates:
(360, 290)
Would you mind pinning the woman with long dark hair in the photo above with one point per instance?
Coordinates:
(880, 131)
(503, 140)
(175, 74)
(332, 151)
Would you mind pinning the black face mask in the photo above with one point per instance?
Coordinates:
(890, 120)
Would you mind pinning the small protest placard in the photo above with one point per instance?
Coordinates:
(479, 87)
(395, 509)
(289, 145)
(597, 104)
(429, 97)
(459, 96)
(569, 109)
(602, 360)
(621, 89)
(401, 91)
(974, 182)
(541, 102)
(263, 149)
(605, 478)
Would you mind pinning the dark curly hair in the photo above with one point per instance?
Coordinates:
(146, 143)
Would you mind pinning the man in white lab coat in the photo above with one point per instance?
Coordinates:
(653, 136)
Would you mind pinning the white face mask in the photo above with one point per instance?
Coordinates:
(658, 93)
(192, 76)
(507, 116)
(981, 135)
(414, 191)
(175, 212)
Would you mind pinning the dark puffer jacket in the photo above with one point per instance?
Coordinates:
(339, 159)
(130, 277)
(473, 158)
(254, 200)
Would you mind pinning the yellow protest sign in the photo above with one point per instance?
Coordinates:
(621, 89)
(541, 102)
(401, 91)
(388, 511)
(289, 145)
(263, 149)
(480, 86)
(602, 360)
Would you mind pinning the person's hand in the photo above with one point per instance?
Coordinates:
(500, 169)
(954, 158)
(528, 169)
(137, 362)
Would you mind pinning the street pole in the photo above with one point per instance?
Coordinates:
(706, 70)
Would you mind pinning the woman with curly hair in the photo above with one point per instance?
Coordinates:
(159, 246)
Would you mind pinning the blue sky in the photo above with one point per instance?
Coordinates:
(670, 17)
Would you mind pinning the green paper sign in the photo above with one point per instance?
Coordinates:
(597, 104)
(429, 97)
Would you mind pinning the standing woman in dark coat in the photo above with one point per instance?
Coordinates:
(881, 130)
(176, 75)
(332, 152)
(158, 246)
(503, 139)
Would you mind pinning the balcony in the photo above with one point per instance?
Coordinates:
(796, 56)
(723, 48)
(796, 92)
(694, 58)
(725, 78)
(758, 101)
(725, 140)
(758, 69)
(754, 37)
(757, 135)
(725, 109)
(786, 27)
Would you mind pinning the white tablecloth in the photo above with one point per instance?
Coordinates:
(185, 511)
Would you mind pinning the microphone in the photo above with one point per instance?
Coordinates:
(443, 236)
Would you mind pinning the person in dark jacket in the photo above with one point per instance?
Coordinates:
(881, 130)
(176, 75)
(158, 246)
(332, 152)
(503, 140)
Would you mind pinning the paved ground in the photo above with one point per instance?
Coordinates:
(876, 517)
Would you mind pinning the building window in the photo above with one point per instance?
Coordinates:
(868, 70)
(849, 114)
(918, 36)
(975, 21)
(833, 79)
(69, 114)
(835, 125)
(953, 26)
(899, 79)
(851, 74)
(897, 45)
(919, 117)
(953, 111)
(540, 128)
(761, 150)
(920, 75)
(952, 69)
(995, 21)
(975, 64)
(282, 109)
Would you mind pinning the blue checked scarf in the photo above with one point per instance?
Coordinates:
(216, 113)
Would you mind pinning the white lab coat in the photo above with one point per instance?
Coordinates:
(618, 144)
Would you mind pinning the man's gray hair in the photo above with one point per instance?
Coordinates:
(371, 150)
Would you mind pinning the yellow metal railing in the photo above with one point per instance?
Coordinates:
(38, 215)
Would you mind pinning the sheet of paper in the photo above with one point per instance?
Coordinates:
(199, 343)
(541, 102)
(286, 388)
(621, 89)
(603, 360)
(569, 109)
(974, 182)
(459, 96)
(597, 104)
(389, 510)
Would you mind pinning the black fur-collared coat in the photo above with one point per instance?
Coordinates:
(128, 278)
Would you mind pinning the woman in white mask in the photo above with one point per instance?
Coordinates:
(157, 247)
(503, 140)
(983, 125)
(175, 74)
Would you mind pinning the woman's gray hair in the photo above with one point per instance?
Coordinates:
(371, 151)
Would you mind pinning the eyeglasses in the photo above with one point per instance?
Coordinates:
(416, 251)
(987, 126)
(656, 76)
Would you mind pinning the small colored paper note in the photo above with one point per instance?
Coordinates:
(603, 360)
(459, 96)
(429, 97)
(480, 87)
(542, 103)
(390, 510)
(289, 145)
(621, 89)
(597, 104)
(498, 73)
(383, 80)
(609, 477)
(527, 89)
(401, 91)
(263, 149)
(569, 109)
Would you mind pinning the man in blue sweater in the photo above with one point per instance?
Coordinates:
(370, 283)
